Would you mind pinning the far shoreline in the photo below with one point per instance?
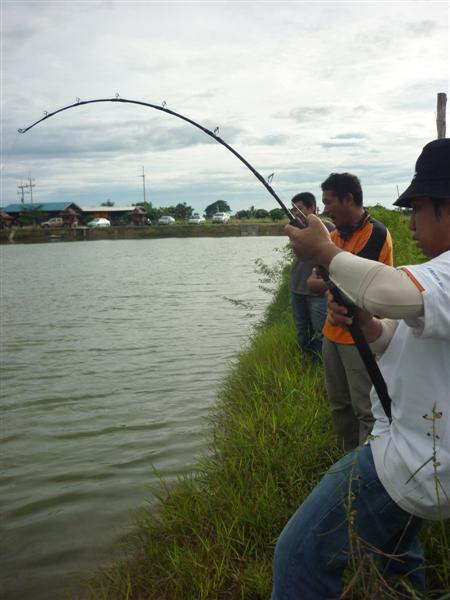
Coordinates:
(28, 235)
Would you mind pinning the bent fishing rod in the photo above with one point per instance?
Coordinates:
(354, 329)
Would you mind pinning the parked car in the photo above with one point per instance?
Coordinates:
(166, 220)
(53, 222)
(99, 222)
(220, 217)
(196, 219)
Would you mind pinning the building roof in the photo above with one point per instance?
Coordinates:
(107, 208)
(43, 206)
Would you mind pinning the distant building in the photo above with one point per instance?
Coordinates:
(113, 213)
(52, 209)
(69, 211)
(139, 217)
(5, 220)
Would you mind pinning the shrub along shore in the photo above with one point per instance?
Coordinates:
(212, 535)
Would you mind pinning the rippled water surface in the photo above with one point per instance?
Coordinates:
(112, 354)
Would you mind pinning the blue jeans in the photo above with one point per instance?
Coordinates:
(315, 547)
(309, 315)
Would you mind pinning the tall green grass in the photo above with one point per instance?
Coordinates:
(212, 534)
(405, 249)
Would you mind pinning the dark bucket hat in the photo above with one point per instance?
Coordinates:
(432, 177)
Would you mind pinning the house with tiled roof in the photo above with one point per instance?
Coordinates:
(69, 212)
(52, 209)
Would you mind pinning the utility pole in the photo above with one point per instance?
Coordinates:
(440, 114)
(143, 182)
(22, 192)
(31, 185)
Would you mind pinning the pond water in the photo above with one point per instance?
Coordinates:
(112, 355)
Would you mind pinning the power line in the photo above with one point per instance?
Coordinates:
(23, 190)
(31, 185)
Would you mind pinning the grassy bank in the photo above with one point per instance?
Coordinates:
(212, 535)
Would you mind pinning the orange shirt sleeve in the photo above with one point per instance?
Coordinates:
(387, 253)
(413, 279)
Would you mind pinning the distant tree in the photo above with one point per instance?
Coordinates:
(31, 215)
(166, 210)
(182, 211)
(217, 206)
(243, 214)
(107, 203)
(276, 214)
(261, 213)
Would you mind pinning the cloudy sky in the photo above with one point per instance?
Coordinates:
(300, 89)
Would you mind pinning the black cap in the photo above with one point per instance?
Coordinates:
(432, 177)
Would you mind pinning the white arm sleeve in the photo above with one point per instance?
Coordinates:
(380, 289)
(388, 329)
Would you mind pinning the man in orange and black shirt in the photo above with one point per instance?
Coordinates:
(348, 384)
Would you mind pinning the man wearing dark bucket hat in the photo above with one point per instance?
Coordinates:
(376, 498)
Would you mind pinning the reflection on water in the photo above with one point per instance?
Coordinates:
(112, 354)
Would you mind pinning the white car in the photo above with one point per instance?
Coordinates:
(53, 222)
(99, 222)
(220, 217)
(196, 219)
(166, 220)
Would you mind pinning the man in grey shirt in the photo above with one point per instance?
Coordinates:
(309, 309)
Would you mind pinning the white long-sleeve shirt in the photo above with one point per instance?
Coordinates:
(412, 453)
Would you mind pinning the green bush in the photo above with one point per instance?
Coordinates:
(405, 249)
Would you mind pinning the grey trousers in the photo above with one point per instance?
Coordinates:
(348, 387)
